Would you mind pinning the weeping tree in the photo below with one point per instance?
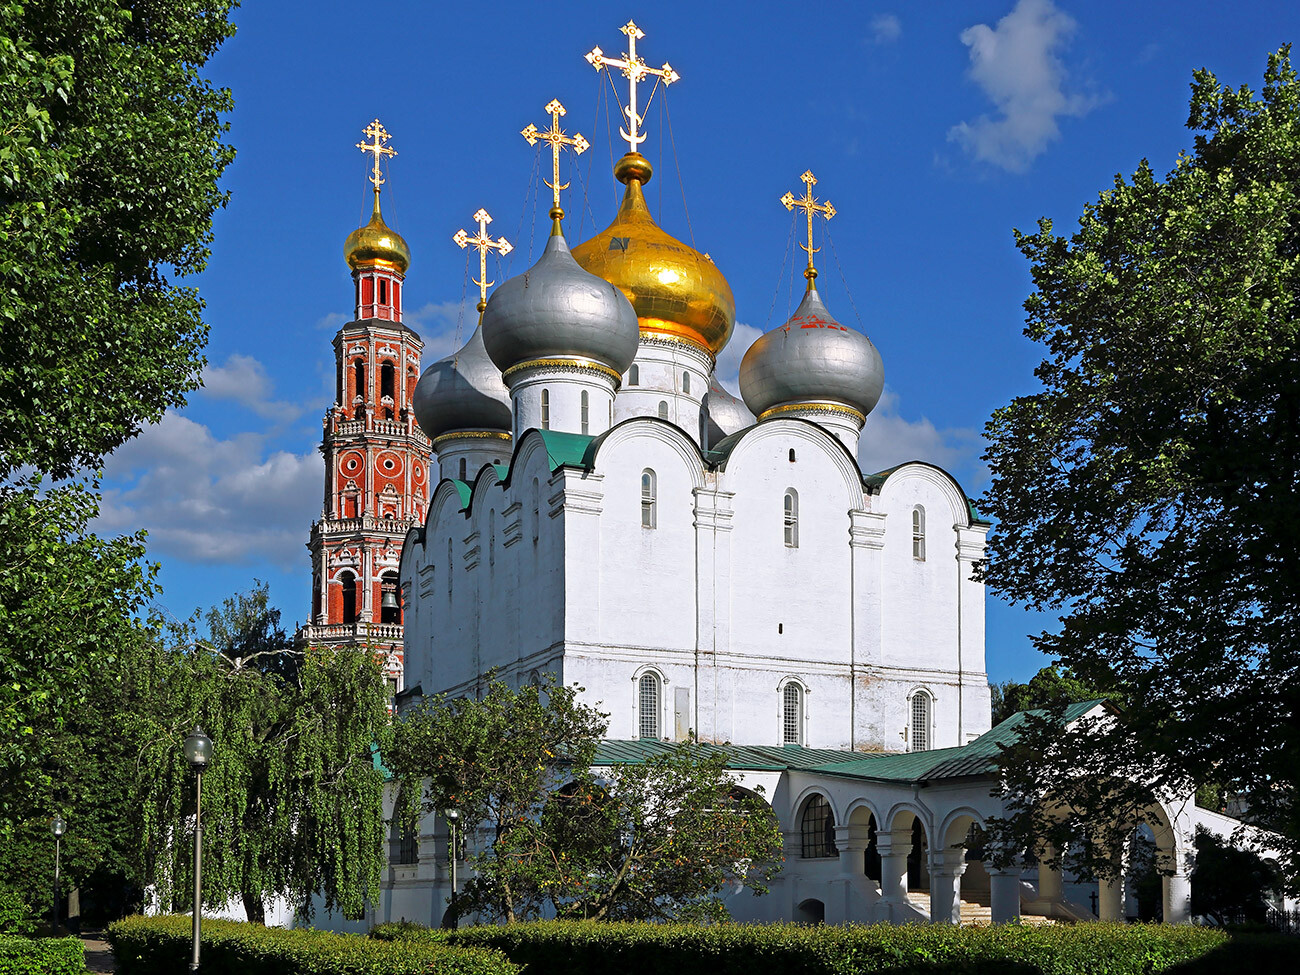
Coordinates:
(292, 798)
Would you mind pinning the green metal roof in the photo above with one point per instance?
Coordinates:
(565, 449)
(762, 758)
(465, 492)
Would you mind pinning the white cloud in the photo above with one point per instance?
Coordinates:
(1017, 66)
(333, 321)
(208, 500)
(885, 29)
(244, 380)
(444, 326)
(888, 439)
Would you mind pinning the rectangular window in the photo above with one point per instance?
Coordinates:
(546, 409)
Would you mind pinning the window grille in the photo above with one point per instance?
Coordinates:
(648, 514)
(663, 409)
(546, 409)
(648, 706)
(408, 845)
(791, 519)
(918, 533)
(817, 830)
(792, 714)
(585, 411)
(919, 739)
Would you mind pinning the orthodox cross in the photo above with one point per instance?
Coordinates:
(558, 140)
(634, 69)
(808, 203)
(379, 148)
(482, 243)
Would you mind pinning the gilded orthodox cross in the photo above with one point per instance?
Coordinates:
(558, 140)
(483, 243)
(379, 148)
(808, 203)
(634, 69)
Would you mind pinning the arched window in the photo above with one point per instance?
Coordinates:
(792, 714)
(348, 582)
(386, 384)
(791, 518)
(586, 411)
(792, 455)
(919, 731)
(546, 409)
(663, 409)
(536, 516)
(359, 379)
(648, 706)
(390, 599)
(449, 569)
(918, 533)
(462, 469)
(648, 518)
(686, 382)
(817, 830)
(634, 375)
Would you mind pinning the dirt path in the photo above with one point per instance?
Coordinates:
(99, 956)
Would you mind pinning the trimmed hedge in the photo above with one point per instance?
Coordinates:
(161, 946)
(561, 948)
(41, 956)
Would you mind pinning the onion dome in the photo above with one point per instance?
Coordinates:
(811, 360)
(727, 414)
(677, 292)
(464, 391)
(376, 244)
(557, 310)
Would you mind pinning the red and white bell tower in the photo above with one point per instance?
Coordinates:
(376, 456)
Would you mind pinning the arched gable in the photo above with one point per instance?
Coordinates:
(796, 431)
(906, 806)
(896, 480)
(801, 800)
(861, 810)
(954, 819)
(648, 428)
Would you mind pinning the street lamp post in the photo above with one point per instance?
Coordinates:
(198, 749)
(57, 827)
(453, 817)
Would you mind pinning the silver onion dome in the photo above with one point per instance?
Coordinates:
(812, 358)
(556, 309)
(464, 391)
(726, 413)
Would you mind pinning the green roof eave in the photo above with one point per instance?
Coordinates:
(566, 449)
(465, 491)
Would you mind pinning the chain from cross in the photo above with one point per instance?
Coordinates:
(483, 243)
(808, 203)
(558, 140)
(378, 147)
(634, 69)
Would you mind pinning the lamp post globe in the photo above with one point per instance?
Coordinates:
(197, 749)
(58, 826)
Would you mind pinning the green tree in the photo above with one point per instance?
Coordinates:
(651, 840)
(292, 800)
(109, 159)
(1050, 686)
(1147, 492)
(1229, 882)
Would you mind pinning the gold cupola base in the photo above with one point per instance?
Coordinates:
(676, 291)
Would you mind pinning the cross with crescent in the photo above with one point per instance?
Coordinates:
(381, 136)
(808, 203)
(558, 140)
(634, 69)
(483, 243)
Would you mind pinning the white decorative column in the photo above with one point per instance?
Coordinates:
(1110, 899)
(713, 516)
(893, 846)
(866, 546)
(1004, 893)
(1051, 886)
(946, 869)
(1177, 895)
(851, 841)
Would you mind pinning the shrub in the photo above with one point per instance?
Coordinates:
(15, 915)
(161, 946)
(560, 948)
(41, 956)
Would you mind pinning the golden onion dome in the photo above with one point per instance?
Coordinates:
(376, 244)
(676, 291)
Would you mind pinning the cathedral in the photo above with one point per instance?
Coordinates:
(574, 493)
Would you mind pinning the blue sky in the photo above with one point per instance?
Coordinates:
(933, 128)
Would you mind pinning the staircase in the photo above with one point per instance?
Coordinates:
(975, 909)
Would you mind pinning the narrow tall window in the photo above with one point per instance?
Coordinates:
(663, 409)
(536, 515)
(386, 384)
(516, 410)
(546, 409)
(492, 538)
(648, 498)
(648, 706)
(634, 375)
(792, 714)
(348, 583)
(586, 411)
(359, 377)
(383, 291)
(338, 387)
(686, 382)
(919, 737)
(462, 468)
(791, 518)
(390, 601)
(918, 533)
